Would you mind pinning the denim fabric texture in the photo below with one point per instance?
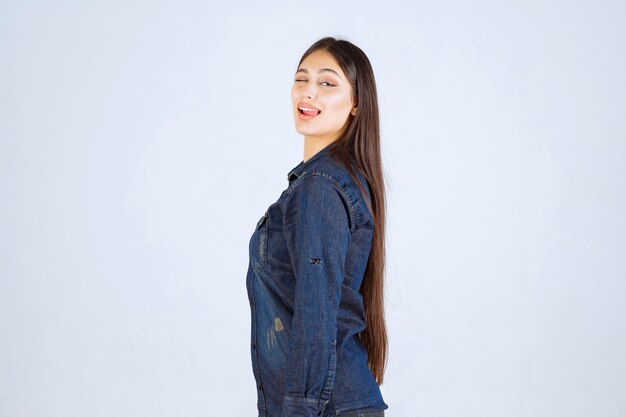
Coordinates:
(308, 254)
(380, 413)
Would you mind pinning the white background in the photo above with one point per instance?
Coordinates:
(140, 142)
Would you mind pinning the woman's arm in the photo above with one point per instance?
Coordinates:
(317, 230)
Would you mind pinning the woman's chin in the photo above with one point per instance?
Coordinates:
(305, 130)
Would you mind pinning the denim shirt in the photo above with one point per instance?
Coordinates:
(308, 254)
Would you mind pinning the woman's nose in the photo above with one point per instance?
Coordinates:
(309, 91)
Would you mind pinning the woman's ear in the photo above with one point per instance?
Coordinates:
(353, 112)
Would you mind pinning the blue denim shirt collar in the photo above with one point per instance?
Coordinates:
(303, 166)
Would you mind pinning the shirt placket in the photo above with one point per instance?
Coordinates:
(254, 342)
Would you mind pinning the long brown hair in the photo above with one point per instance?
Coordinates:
(359, 146)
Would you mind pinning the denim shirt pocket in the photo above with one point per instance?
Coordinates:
(262, 228)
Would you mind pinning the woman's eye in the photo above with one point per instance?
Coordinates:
(323, 82)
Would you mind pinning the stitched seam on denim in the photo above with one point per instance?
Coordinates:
(366, 412)
(310, 401)
(347, 408)
(303, 177)
(345, 193)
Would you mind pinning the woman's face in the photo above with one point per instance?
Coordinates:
(320, 85)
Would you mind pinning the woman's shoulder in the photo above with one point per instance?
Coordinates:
(330, 174)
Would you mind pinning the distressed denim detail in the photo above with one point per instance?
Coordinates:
(307, 257)
(376, 413)
(263, 237)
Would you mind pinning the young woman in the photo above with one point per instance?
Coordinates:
(315, 276)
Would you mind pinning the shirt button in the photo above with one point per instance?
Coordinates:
(254, 346)
(259, 387)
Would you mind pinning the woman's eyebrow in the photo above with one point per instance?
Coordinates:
(306, 71)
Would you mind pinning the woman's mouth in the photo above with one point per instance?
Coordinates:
(307, 113)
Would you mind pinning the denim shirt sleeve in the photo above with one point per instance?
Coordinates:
(317, 232)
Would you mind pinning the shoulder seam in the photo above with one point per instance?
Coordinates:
(317, 173)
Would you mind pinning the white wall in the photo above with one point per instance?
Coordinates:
(141, 141)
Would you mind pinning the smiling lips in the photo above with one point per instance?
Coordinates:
(307, 111)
